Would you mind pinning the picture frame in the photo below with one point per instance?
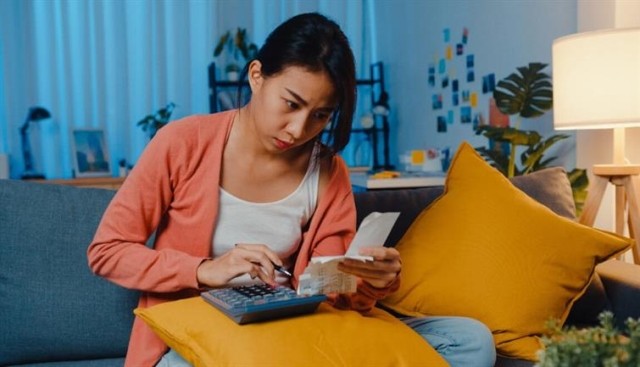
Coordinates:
(90, 153)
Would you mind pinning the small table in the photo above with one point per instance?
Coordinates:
(407, 180)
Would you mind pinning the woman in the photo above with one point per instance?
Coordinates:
(231, 194)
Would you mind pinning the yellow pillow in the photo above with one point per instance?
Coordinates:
(205, 337)
(486, 250)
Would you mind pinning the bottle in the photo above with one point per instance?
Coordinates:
(363, 156)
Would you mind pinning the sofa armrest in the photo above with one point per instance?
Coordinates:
(622, 284)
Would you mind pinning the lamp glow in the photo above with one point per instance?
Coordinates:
(596, 79)
(596, 85)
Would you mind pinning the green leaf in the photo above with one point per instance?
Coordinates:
(510, 135)
(221, 43)
(153, 123)
(495, 158)
(532, 157)
(236, 44)
(579, 185)
(527, 92)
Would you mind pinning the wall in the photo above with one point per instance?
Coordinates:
(502, 35)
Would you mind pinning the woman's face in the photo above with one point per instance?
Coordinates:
(290, 108)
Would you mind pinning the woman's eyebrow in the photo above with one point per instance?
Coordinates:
(304, 103)
(298, 99)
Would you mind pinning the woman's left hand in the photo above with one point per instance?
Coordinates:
(380, 272)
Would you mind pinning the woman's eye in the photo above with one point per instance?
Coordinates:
(322, 116)
(292, 105)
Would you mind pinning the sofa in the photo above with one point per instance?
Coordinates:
(55, 312)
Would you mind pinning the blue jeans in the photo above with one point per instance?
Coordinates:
(460, 341)
(172, 359)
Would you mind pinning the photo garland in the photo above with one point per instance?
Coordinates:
(455, 99)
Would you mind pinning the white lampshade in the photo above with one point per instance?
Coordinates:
(596, 79)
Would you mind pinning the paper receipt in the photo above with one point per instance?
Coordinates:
(322, 275)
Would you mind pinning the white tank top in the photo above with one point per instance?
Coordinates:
(277, 224)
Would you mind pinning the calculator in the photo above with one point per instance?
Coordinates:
(260, 302)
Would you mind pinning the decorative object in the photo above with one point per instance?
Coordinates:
(602, 345)
(526, 93)
(152, 123)
(381, 106)
(123, 168)
(236, 45)
(514, 265)
(597, 86)
(90, 153)
(35, 114)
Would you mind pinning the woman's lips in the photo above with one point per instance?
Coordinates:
(283, 144)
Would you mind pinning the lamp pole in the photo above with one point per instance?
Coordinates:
(35, 114)
(26, 147)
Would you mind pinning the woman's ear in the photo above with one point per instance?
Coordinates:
(254, 75)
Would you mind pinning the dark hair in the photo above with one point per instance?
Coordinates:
(316, 43)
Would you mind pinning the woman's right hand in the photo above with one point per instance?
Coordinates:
(254, 259)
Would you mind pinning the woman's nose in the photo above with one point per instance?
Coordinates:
(297, 125)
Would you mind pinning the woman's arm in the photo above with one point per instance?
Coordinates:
(118, 250)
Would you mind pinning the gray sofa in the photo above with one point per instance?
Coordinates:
(55, 312)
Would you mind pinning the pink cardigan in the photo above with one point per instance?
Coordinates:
(174, 190)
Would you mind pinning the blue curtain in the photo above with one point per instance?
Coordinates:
(105, 64)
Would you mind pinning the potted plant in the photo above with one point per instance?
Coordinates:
(154, 122)
(526, 93)
(237, 46)
(601, 345)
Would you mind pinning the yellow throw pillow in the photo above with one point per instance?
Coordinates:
(205, 337)
(486, 250)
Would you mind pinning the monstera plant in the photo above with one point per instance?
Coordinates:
(526, 93)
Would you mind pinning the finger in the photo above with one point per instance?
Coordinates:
(386, 266)
(265, 277)
(383, 272)
(376, 278)
(266, 250)
(255, 255)
(380, 253)
(380, 283)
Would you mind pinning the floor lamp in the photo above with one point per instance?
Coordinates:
(596, 85)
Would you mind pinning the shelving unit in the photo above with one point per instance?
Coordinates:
(379, 131)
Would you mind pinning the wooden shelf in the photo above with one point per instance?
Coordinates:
(112, 183)
(363, 180)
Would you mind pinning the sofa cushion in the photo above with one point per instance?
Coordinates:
(53, 307)
(204, 336)
(486, 250)
(550, 187)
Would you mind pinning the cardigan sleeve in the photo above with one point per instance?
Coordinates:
(118, 250)
(336, 229)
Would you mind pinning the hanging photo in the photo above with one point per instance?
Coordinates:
(90, 154)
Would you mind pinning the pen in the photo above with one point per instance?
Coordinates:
(282, 270)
